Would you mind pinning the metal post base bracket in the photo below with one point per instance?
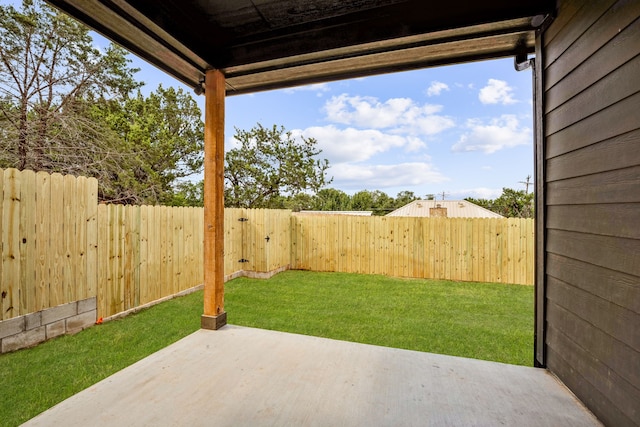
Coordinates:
(213, 322)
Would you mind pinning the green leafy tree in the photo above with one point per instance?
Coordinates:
(188, 193)
(49, 67)
(515, 203)
(404, 198)
(382, 203)
(485, 203)
(511, 203)
(163, 136)
(362, 201)
(269, 164)
(379, 202)
(299, 202)
(331, 199)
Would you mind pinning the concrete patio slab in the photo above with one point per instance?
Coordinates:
(239, 376)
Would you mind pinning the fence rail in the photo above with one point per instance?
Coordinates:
(59, 245)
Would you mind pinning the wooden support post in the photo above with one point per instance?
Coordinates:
(214, 316)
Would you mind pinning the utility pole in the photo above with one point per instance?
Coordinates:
(526, 184)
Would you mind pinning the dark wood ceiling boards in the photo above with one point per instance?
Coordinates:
(267, 44)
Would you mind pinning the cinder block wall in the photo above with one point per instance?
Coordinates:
(34, 328)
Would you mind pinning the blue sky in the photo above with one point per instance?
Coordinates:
(465, 130)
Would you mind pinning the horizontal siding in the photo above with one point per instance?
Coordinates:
(593, 131)
(620, 219)
(619, 152)
(604, 251)
(598, 96)
(595, 67)
(602, 398)
(600, 23)
(592, 196)
(610, 285)
(566, 12)
(619, 186)
(603, 348)
(611, 318)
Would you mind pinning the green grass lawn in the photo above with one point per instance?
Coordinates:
(479, 320)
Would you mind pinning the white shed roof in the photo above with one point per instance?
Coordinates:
(455, 209)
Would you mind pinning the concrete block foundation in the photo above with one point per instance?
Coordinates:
(34, 328)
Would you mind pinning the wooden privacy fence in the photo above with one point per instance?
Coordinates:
(470, 249)
(49, 240)
(59, 246)
(146, 253)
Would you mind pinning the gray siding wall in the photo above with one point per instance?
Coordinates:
(591, 125)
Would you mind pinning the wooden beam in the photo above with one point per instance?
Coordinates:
(214, 316)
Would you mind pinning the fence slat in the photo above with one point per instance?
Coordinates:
(56, 241)
(178, 250)
(129, 286)
(143, 265)
(102, 257)
(28, 288)
(69, 263)
(155, 253)
(92, 237)
(80, 239)
(111, 270)
(10, 244)
(530, 258)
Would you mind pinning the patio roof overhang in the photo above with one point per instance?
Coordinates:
(270, 44)
(228, 47)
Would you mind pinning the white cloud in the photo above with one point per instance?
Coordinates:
(497, 92)
(348, 175)
(500, 133)
(318, 87)
(356, 145)
(428, 125)
(414, 144)
(436, 88)
(402, 115)
(231, 143)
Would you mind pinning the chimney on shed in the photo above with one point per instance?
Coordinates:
(438, 211)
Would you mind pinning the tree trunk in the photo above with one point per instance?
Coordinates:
(23, 138)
